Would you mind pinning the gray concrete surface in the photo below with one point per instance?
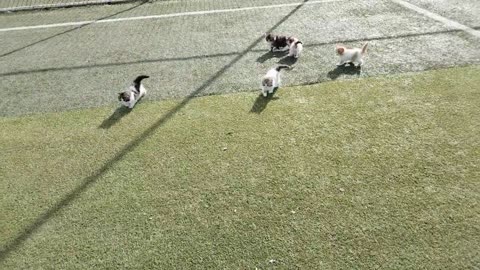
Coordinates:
(465, 12)
(22, 5)
(56, 69)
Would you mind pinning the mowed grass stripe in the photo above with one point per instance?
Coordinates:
(372, 173)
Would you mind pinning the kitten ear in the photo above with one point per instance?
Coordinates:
(340, 49)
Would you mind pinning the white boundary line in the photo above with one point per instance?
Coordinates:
(439, 18)
(193, 13)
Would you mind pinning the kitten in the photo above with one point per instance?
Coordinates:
(271, 80)
(277, 43)
(134, 93)
(296, 47)
(351, 55)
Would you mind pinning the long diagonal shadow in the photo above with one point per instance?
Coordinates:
(70, 30)
(90, 180)
(262, 58)
(136, 62)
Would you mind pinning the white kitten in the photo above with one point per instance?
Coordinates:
(351, 55)
(272, 80)
(134, 92)
(296, 47)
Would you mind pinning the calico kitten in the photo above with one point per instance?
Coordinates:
(134, 93)
(296, 47)
(277, 43)
(272, 80)
(353, 56)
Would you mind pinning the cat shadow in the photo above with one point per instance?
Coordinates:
(115, 117)
(347, 69)
(288, 60)
(270, 54)
(261, 102)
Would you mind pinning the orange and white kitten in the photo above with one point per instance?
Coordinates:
(351, 55)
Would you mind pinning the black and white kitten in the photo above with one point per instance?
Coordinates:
(271, 80)
(277, 43)
(134, 92)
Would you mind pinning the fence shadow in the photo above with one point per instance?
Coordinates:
(90, 180)
(261, 59)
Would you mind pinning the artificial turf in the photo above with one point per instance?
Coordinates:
(379, 172)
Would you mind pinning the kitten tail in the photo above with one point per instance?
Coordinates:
(364, 48)
(280, 67)
(140, 78)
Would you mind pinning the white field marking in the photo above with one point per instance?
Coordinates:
(447, 22)
(193, 13)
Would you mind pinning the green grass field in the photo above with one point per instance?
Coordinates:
(372, 173)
